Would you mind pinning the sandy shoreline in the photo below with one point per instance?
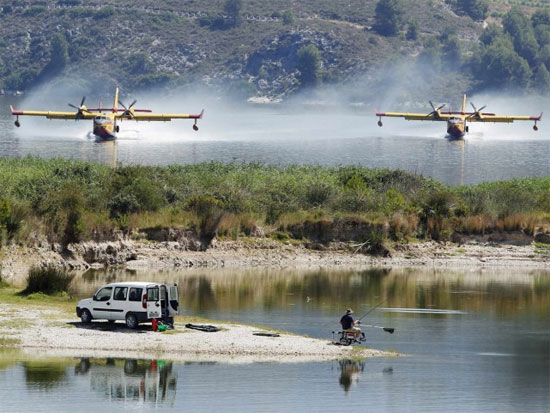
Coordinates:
(261, 252)
(52, 332)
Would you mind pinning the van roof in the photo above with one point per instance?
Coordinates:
(132, 284)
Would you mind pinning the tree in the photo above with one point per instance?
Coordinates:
(412, 31)
(490, 34)
(430, 55)
(542, 34)
(233, 9)
(309, 65)
(59, 55)
(289, 17)
(540, 17)
(452, 54)
(389, 17)
(544, 55)
(542, 79)
(502, 67)
(476, 9)
(519, 27)
(138, 63)
(60, 51)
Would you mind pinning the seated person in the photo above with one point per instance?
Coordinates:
(348, 324)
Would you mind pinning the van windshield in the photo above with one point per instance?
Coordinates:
(104, 294)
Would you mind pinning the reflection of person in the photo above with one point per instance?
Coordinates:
(349, 324)
(349, 373)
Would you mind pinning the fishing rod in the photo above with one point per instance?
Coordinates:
(386, 329)
(373, 308)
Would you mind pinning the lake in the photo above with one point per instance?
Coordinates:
(283, 136)
(473, 339)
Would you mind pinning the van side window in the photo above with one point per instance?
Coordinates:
(104, 294)
(135, 294)
(120, 293)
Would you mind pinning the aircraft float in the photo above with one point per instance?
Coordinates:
(105, 119)
(457, 122)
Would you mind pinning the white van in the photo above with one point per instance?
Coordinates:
(133, 302)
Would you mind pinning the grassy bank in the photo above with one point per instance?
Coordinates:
(70, 201)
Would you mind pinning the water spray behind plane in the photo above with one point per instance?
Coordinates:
(457, 125)
(105, 119)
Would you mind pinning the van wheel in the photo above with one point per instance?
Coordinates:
(85, 317)
(131, 321)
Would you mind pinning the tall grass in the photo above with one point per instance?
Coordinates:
(74, 200)
(48, 280)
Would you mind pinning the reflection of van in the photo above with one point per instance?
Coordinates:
(148, 383)
(134, 302)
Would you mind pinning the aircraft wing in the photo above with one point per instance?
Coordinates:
(158, 117)
(52, 115)
(502, 119)
(416, 116)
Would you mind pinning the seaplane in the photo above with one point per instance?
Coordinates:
(457, 122)
(105, 119)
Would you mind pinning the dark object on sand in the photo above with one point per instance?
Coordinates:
(266, 334)
(203, 327)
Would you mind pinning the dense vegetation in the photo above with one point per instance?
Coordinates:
(250, 47)
(49, 280)
(69, 201)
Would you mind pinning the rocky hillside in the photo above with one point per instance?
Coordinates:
(150, 43)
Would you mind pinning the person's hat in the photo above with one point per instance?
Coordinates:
(349, 311)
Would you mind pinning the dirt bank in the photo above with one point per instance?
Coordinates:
(54, 332)
(263, 252)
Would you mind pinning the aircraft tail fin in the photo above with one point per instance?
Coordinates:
(463, 103)
(115, 103)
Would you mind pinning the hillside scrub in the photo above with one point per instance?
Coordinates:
(69, 201)
(251, 47)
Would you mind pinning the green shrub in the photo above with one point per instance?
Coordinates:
(104, 13)
(10, 220)
(210, 212)
(48, 280)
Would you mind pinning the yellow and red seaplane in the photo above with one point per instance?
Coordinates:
(457, 122)
(105, 119)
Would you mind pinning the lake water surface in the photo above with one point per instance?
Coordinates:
(486, 348)
(282, 137)
(477, 341)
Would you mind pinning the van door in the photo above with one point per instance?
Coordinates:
(101, 307)
(153, 302)
(173, 300)
(119, 306)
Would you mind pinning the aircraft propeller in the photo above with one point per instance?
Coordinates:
(435, 111)
(80, 109)
(128, 110)
(477, 112)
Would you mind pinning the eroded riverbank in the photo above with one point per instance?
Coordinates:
(262, 252)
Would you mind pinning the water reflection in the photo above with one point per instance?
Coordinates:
(499, 292)
(350, 371)
(136, 381)
(44, 375)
